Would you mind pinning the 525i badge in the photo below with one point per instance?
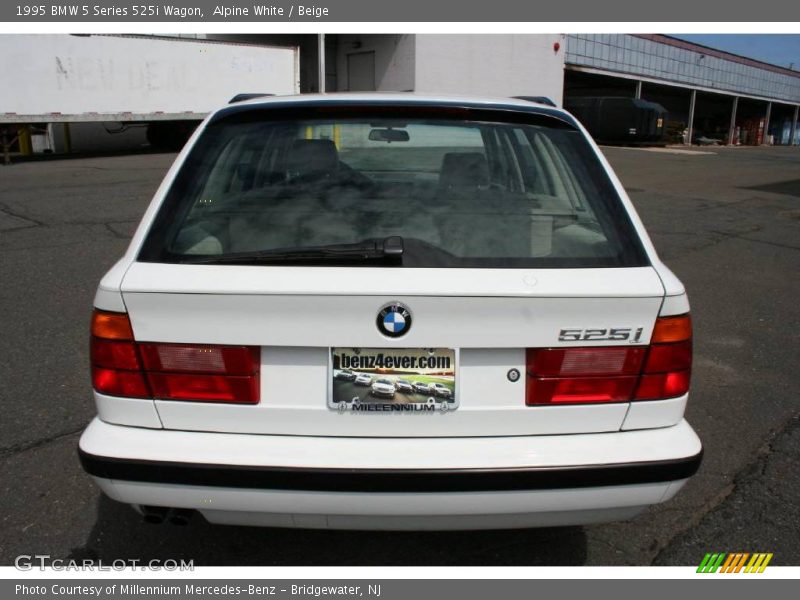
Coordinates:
(601, 334)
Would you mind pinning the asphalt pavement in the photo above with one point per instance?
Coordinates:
(727, 222)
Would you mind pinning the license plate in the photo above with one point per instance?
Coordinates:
(393, 380)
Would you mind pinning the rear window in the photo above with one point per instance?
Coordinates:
(463, 192)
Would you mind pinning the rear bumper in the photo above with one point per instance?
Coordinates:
(389, 480)
(398, 483)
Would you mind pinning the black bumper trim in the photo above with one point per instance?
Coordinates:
(389, 480)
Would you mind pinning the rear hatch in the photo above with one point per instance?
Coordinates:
(392, 264)
(295, 316)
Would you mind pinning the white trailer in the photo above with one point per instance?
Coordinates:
(164, 84)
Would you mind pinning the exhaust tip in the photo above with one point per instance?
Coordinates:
(154, 514)
(181, 516)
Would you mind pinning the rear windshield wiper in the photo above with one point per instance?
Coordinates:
(390, 248)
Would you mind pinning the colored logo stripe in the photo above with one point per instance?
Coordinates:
(711, 562)
(758, 563)
(734, 562)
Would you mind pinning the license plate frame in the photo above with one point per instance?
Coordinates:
(402, 367)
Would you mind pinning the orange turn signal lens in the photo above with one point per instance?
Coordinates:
(111, 326)
(672, 329)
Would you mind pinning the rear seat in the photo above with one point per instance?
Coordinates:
(464, 192)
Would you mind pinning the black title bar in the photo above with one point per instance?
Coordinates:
(464, 11)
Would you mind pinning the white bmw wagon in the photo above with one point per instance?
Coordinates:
(480, 245)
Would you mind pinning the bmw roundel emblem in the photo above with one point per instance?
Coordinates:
(394, 320)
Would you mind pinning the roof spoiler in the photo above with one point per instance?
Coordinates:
(538, 99)
(247, 96)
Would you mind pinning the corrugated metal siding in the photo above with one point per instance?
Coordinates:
(632, 55)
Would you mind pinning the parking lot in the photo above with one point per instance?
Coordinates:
(726, 220)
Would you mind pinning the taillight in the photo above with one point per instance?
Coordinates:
(115, 382)
(202, 372)
(667, 371)
(611, 373)
(111, 326)
(116, 369)
(199, 372)
(196, 358)
(672, 329)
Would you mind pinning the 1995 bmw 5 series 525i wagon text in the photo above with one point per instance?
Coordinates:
(476, 256)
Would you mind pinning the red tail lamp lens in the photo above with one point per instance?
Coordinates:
(669, 357)
(581, 375)
(208, 388)
(195, 358)
(114, 355)
(116, 370)
(112, 382)
(585, 362)
(663, 385)
(579, 390)
(613, 373)
(198, 372)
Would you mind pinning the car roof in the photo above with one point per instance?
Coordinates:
(405, 99)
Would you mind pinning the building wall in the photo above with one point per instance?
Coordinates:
(633, 55)
(494, 65)
(394, 60)
(115, 75)
(306, 43)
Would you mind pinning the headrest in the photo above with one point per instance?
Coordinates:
(464, 169)
(317, 158)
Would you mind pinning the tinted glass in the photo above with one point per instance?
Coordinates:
(460, 193)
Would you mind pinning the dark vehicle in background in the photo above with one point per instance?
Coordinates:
(420, 387)
(620, 120)
(404, 386)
